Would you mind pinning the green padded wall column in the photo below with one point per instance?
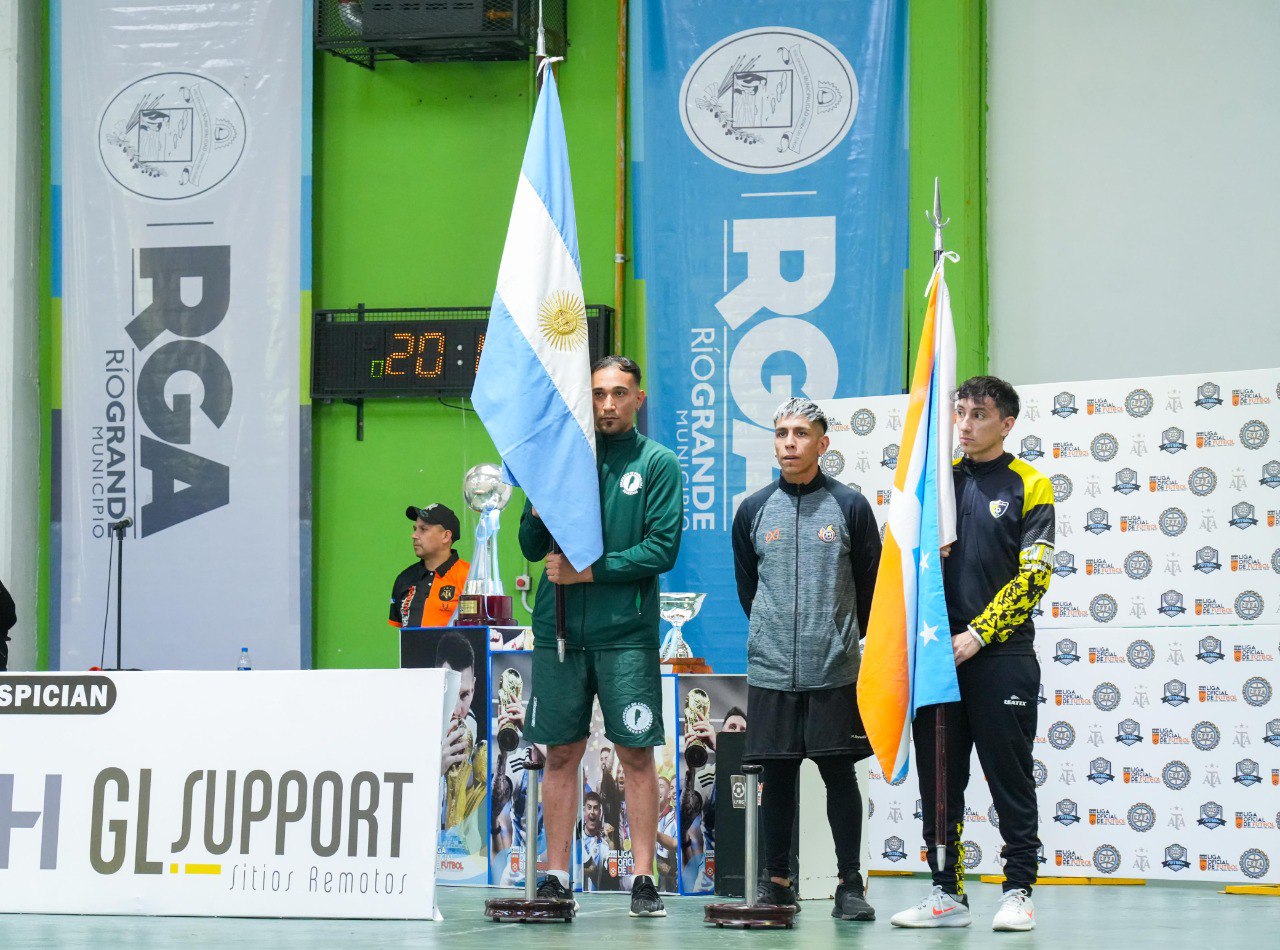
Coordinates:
(947, 42)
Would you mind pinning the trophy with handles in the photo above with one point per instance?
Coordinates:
(677, 610)
(483, 601)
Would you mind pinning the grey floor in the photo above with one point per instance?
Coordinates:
(1121, 918)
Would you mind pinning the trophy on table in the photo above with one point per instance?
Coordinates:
(677, 610)
(483, 602)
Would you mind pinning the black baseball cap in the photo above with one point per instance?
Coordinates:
(435, 514)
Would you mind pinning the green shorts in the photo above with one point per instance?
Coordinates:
(628, 683)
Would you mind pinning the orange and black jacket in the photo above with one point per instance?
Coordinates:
(1000, 564)
(423, 598)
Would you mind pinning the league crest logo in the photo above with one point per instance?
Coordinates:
(831, 462)
(1138, 565)
(1270, 474)
(972, 854)
(1064, 405)
(1068, 813)
(1247, 773)
(998, 507)
(1142, 817)
(1103, 608)
(1106, 859)
(1207, 560)
(1202, 481)
(863, 422)
(1272, 738)
(1205, 736)
(1068, 653)
(1173, 521)
(1210, 650)
(1064, 564)
(1104, 447)
(1062, 735)
(172, 136)
(1098, 521)
(889, 458)
(1210, 816)
(1126, 481)
(769, 100)
(1242, 516)
(893, 849)
(1173, 440)
(1249, 605)
(1208, 396)
(1061, 488)
(631, 482)
(1130, 732)
(1257, 691)
(1254, 434)
(1176, 775)
(1039, 772)
(1138, 403)
(1032, 448)
(1175, 693)
(1141, 654)
(1171, 604)
(1175, 858)
(1106, 696)
(1100, 771)
(1254, 863)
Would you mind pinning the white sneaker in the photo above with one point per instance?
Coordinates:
(1016, 912)
(939, 909)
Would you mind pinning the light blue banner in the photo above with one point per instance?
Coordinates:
(770, 181)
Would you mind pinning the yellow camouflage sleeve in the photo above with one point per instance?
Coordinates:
(1013, 603)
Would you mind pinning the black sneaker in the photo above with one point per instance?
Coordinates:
(645, 901)
(550, 888)
(771, 892)
(851, 901)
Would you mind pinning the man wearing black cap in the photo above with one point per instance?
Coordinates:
(425, 594)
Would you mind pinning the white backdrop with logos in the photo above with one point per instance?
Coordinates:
(180, 144)
(1158, 748)
(263, 794)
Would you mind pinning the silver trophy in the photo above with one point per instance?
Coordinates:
(677, 610)
(483, 601)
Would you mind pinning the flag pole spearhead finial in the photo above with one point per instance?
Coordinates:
(936, 219)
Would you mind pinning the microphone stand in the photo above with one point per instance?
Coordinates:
(118, 529)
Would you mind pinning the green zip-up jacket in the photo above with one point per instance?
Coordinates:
(642, 509)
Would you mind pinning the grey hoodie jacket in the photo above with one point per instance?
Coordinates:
(805, 558)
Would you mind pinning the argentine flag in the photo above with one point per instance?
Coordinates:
(533, 385)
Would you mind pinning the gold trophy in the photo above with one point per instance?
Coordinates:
(465, 781)
(510, 689)
(697, 708)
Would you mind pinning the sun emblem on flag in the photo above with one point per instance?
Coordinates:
(562, 318)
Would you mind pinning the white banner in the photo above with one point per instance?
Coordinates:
(1158, 748)
(266, 794)
(180, 150)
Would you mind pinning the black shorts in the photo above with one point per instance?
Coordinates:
(796, 725)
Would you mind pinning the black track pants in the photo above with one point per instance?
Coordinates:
(778, 805)
(996, 713)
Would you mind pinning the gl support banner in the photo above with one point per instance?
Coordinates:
(770, 171)
(181, 156)
(208, 794)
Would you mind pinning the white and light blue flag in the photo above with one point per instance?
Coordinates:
(533, 385)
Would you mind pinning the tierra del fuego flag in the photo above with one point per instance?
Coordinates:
(533, 385)
(907, 661)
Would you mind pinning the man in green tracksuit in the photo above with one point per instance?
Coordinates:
(611, 614)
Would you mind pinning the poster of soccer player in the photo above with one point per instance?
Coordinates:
(510, 677)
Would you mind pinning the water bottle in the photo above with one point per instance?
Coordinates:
(244, 663)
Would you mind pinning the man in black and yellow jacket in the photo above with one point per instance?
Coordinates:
(611, 612)
(994, 573)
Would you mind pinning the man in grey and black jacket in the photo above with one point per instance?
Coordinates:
(805, 550)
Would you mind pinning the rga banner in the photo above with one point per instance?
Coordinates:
(181, 144)
(208, 794)
(770, 168)
(1158, 748)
